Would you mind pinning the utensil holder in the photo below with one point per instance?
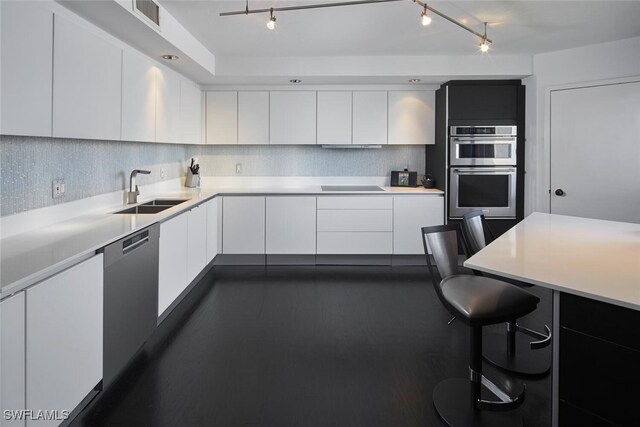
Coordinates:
(192, 180)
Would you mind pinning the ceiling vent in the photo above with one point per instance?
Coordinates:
(149, 9)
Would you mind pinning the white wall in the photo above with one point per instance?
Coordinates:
(598, 62)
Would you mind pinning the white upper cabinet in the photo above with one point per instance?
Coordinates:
(370, 117)
(222, 117)
(138, 97)
(167, 106)
(26, 41)
(190, 113)
(412, 117)
(253, 118)
(334, 118)
(292, 117)
(86, 83)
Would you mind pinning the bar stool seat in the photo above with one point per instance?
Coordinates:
(482, 301)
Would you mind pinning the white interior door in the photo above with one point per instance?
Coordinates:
(595, 152)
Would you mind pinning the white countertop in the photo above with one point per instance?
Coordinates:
(30, 257)
(587, 257)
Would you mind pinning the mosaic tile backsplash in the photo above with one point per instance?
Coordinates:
(28, 165)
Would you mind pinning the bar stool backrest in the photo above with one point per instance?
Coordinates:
(441, 241)
(474, 226)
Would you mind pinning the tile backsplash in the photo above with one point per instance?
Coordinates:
(28, 165)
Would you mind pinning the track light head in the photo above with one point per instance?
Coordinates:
(484, 43)
(424, 17)
(271, 24)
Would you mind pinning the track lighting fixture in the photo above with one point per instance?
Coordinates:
(484, 42)
(425, 18)
(272, 21)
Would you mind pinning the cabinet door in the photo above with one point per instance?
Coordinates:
(64, 338)
(26, 46)
(291, 225)
(334, 118)
(253, 118)
(12, 356)
(412, 117)
(167, 106)
(197, 252)
(243, 225)
(87, 84)
(138, 97)
(222, 117)
(190, 113)
(369, 118)
(214, 231)
(483, 102)
(410, 213)
(172, 270)
(292, 118)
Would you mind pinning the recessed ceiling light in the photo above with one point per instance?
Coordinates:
(170, 57)
(414, 80)
(295, 81)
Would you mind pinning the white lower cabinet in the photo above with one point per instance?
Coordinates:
(197, 242)
(290, 225)
(353, 225)
(12, 357)
(410, 214)
(172, 270)
(243, 225)
(64, 338)
(214, 228)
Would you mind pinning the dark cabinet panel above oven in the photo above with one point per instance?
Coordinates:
(483, 102)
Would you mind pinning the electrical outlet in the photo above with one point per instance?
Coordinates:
(161, 173)
(238, 167)
(58, 188)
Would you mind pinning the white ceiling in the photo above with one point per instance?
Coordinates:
(393, 29)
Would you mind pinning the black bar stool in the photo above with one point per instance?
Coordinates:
(505, 350)
(477, 301)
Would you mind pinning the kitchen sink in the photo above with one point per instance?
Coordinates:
(143, 209)
(165, 202)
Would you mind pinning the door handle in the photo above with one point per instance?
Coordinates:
(560, 192)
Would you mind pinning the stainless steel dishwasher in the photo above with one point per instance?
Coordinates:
(130, 297)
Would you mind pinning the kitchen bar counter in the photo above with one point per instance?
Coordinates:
(29, 257)
(590, 258)
(593, 268)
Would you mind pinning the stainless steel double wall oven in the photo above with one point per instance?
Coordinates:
(482, 164)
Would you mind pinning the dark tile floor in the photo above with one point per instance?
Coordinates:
(301, 346)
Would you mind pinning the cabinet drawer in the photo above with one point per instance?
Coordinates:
(355, 202)
(355, 242)
(355, 220)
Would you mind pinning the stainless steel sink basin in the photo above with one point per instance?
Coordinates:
(143, 209)
(165, 202)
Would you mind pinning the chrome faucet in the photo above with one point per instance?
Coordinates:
(133, 193)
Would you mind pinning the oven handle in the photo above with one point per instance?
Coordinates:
(484, 171)
(493, 139)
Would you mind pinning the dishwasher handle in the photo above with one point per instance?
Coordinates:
(132, 245)
(135, 242)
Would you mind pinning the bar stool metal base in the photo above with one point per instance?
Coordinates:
(525, 361)
(452, 400)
